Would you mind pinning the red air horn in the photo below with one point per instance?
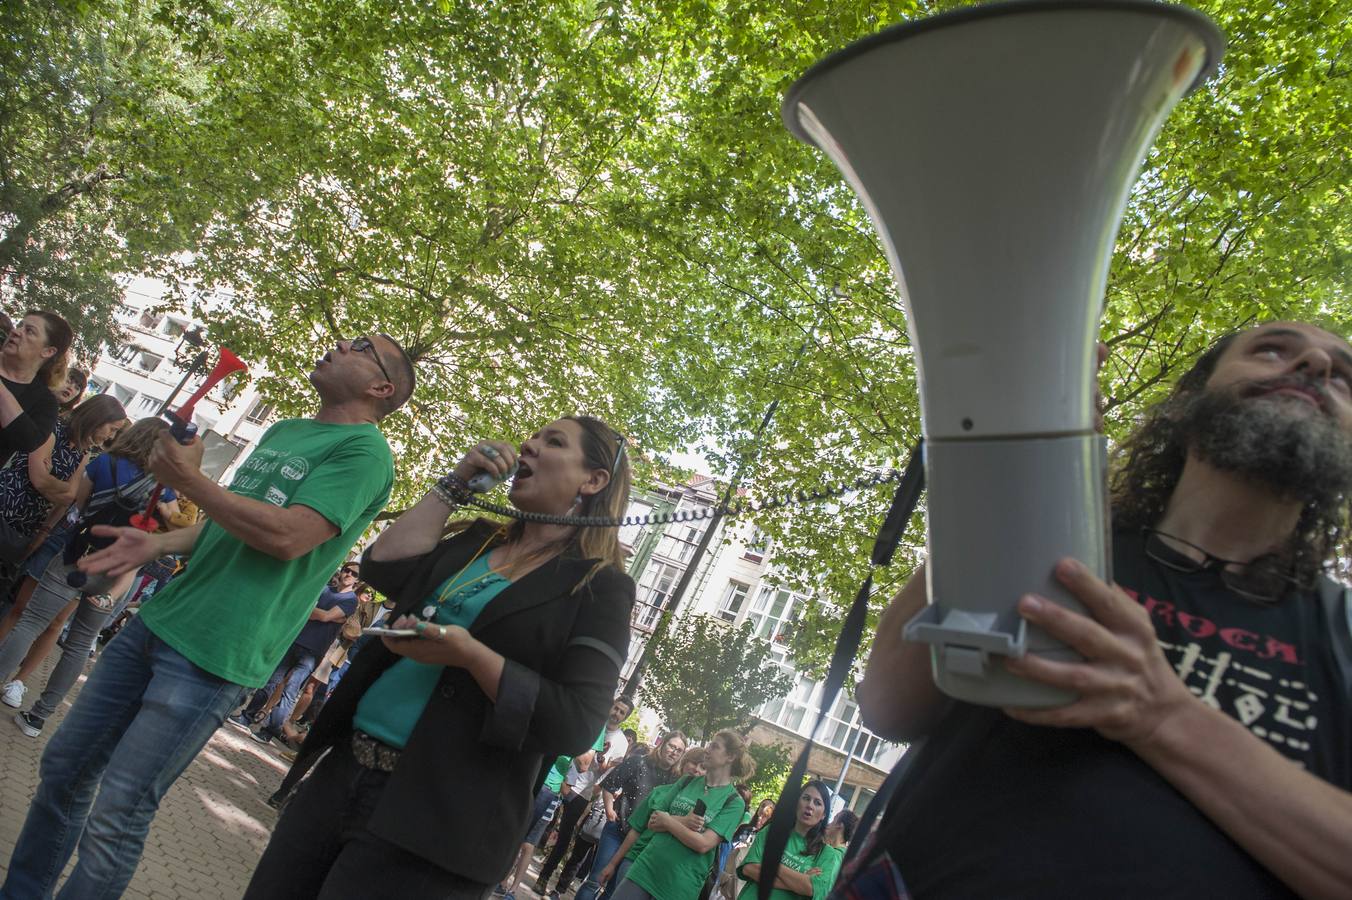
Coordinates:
(182, 428)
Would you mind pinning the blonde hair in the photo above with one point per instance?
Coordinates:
(694, 755)
(135, 442)
(738, 747)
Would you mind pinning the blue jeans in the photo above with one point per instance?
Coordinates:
(295, 667)
(611, 838)
(143, 715)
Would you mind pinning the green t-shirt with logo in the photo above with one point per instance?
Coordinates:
(668, 869)
(236, 610)
(797, 858)
(638, 819)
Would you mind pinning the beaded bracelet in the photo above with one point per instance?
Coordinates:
(444, 495)
(454, 487)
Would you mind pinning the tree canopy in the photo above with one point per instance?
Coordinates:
(592, 206)
(706, 676)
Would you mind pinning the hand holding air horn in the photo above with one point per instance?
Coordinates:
(183, 429)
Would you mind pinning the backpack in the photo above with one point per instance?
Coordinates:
(111, 506)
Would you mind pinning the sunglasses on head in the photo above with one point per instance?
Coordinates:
(362, 345)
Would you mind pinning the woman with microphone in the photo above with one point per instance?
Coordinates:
(515, 639)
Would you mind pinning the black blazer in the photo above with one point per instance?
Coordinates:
(462, 792)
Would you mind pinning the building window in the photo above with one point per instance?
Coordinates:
(122, 394)
(149, 320)
(126, 353)
(259, 412)
(145, 405)
(772, 615)
(757, 547)
(148, 362)
(174, 328)
(679, 542)
(628, 534)
(655, 600)
(733, 601)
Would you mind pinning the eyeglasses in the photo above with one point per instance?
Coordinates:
(347, 571)
(361, 345)
(1258, 581)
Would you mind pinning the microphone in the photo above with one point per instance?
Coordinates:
(484, 482)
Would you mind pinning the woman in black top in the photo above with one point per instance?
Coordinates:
(33, 363)
(521, 633)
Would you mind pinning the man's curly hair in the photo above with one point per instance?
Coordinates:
(1147, 466)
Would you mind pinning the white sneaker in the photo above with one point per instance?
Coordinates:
(13, 694)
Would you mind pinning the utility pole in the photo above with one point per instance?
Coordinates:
(668, 610)
(849, 757)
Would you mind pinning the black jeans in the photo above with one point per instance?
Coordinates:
(321, 848)
(574, 806)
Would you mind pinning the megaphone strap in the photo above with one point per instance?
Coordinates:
(842, 662)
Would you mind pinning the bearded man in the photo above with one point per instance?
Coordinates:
(1209, 753)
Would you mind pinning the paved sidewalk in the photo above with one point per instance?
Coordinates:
(211, 827)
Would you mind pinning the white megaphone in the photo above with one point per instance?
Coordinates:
(994, 148)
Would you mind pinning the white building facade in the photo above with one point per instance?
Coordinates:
(148, 368)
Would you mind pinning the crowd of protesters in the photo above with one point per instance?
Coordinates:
(478, 729)
(516, 637)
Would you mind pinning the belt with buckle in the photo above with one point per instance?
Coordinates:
(373, 754)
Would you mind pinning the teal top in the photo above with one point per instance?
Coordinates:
(392, 706)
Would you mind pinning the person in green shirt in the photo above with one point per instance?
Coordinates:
(809, 865)
(688, 822)
(691, 766)
(171, 676)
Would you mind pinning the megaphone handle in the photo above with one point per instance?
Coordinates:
(182, 428)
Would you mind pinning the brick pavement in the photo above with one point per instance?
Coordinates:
(211, 827)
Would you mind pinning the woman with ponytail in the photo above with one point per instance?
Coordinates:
(511, 652)
(810, 864)
(33, 364)
(690, 820)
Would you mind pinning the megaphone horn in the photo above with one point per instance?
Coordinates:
(994, 148)
(182, 428)
(226, 364)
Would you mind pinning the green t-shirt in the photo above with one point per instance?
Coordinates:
(554, 780)
(236, 610)
(393, 704)
(638, 819)
(668, 869)
(796, 857)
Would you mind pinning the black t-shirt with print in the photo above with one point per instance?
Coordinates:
(633, 779)
(996, 808)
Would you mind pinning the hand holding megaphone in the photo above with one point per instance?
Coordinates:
(488, 464)
(175, 461)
